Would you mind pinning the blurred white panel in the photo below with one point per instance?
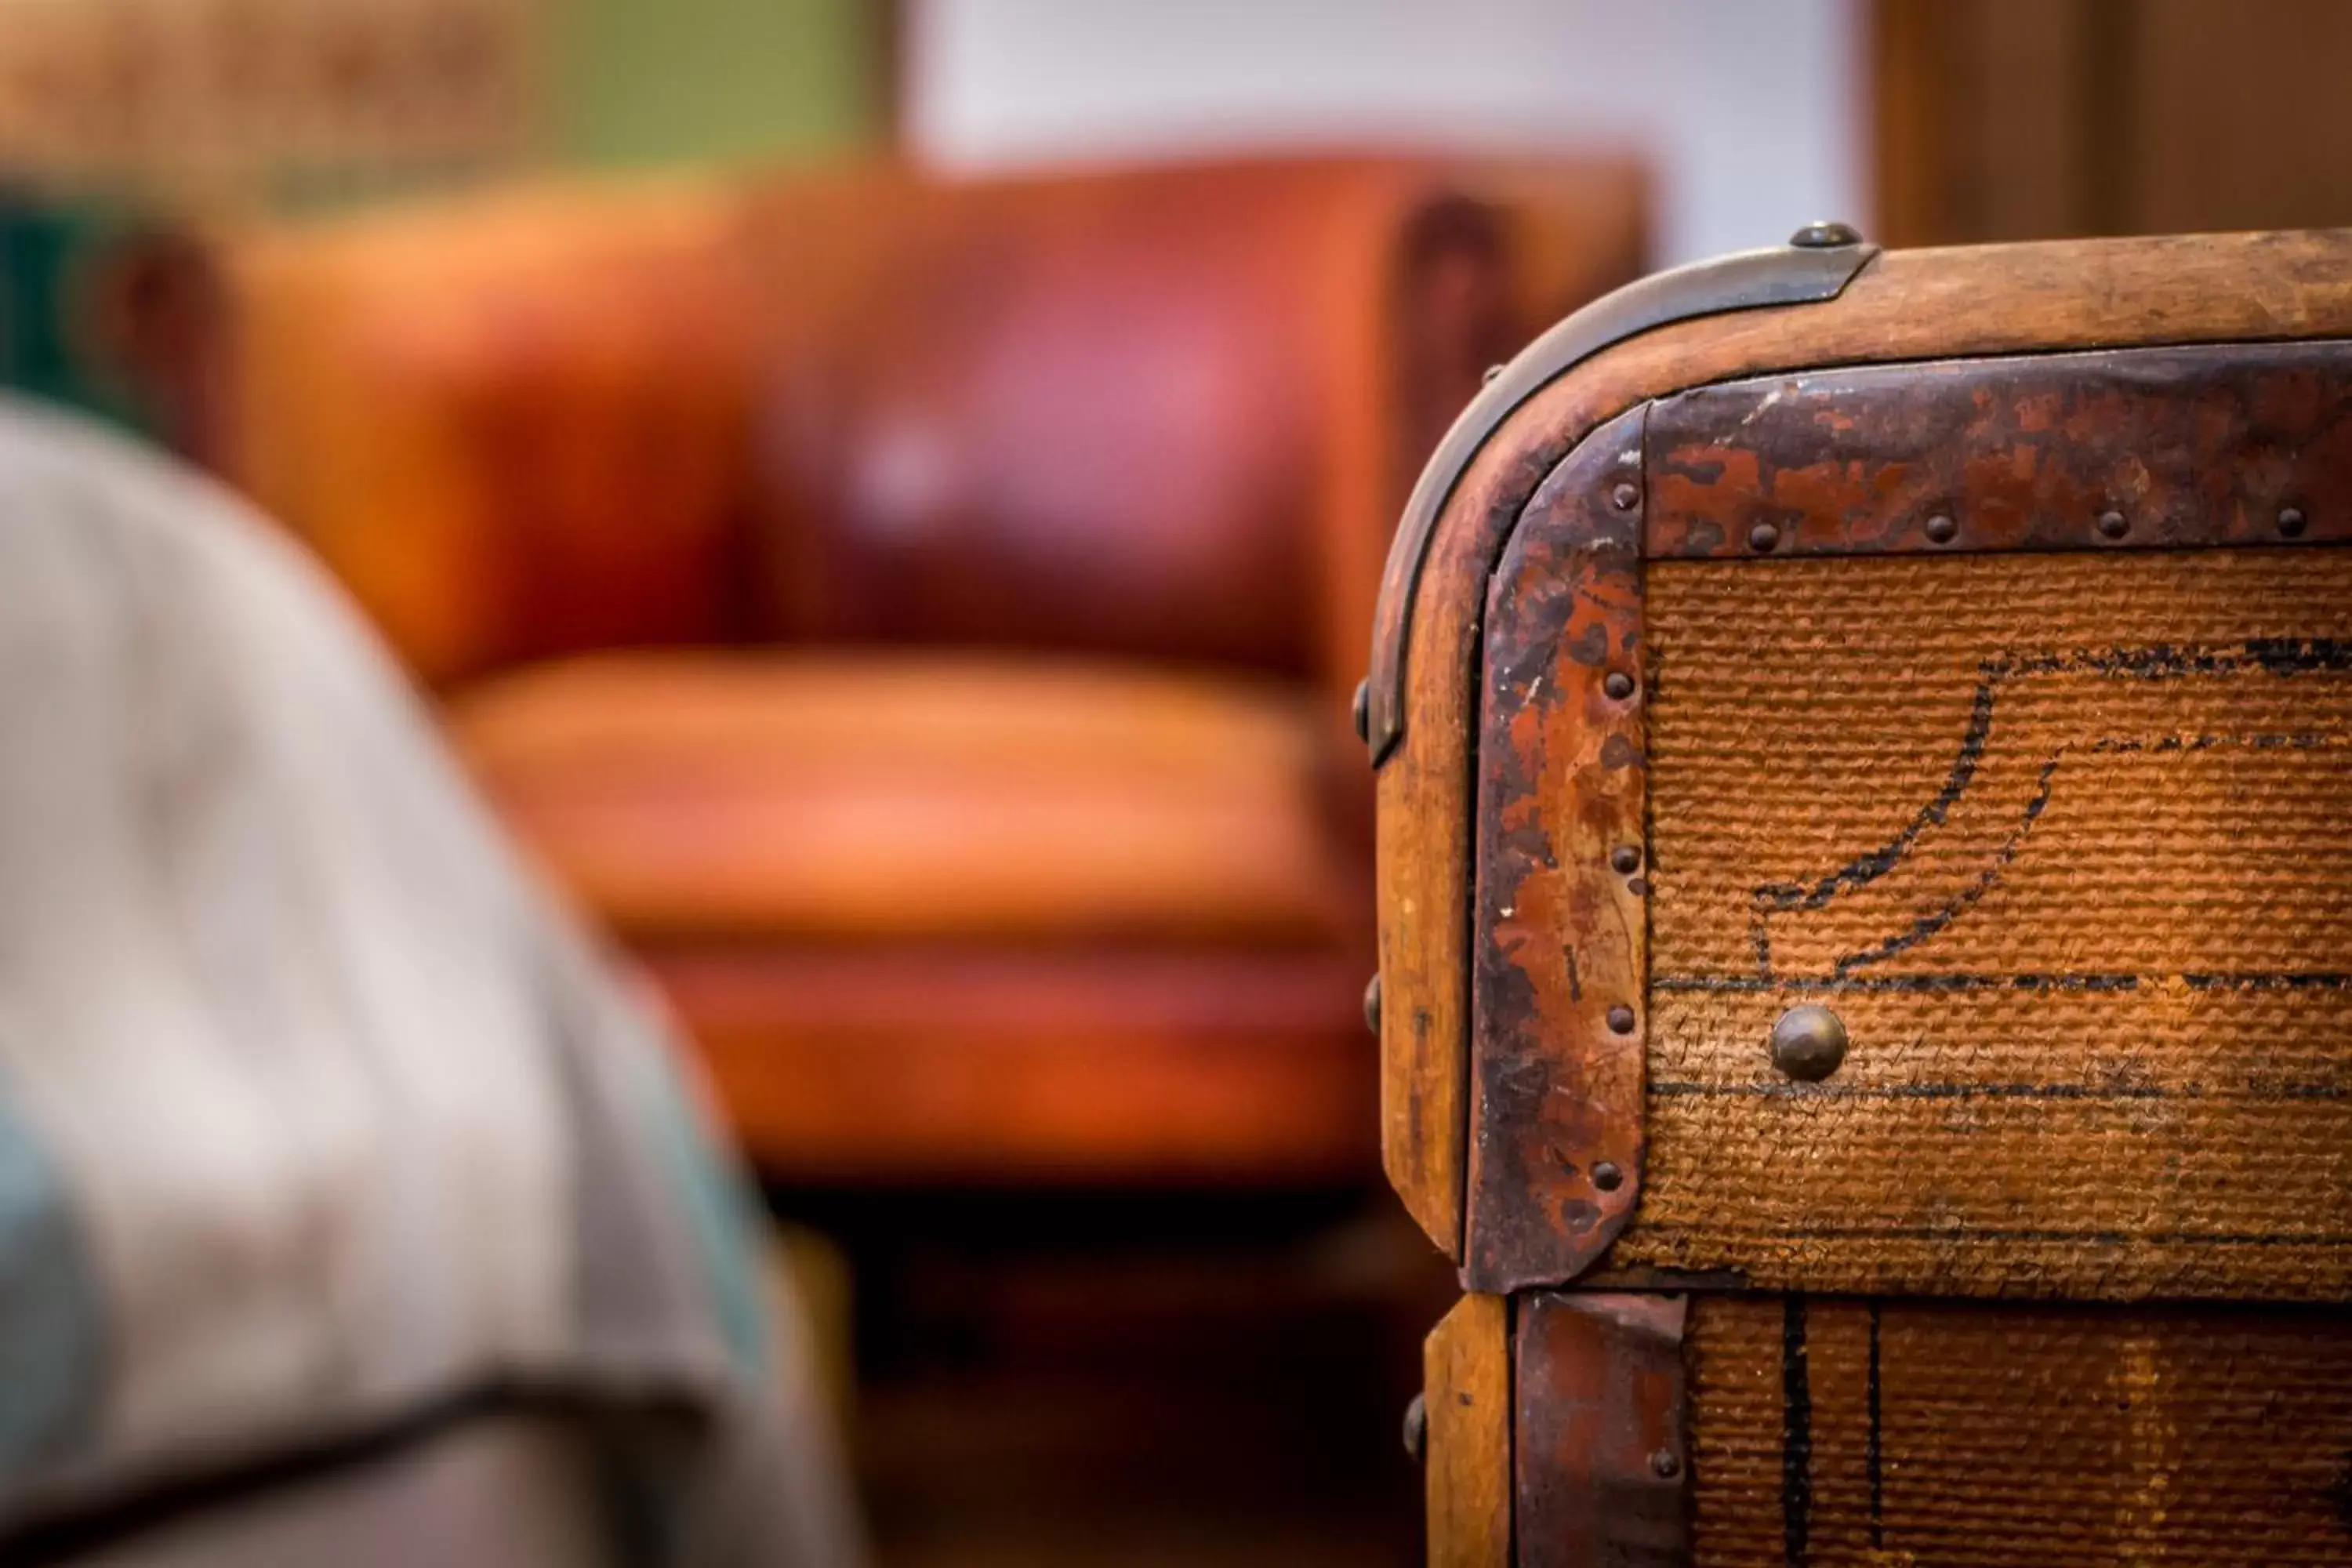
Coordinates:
(1750, 112)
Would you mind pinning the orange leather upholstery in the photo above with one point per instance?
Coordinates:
(824, 798)
(1160, 337)
(989, 808)
(1088, 1064)
(514, 426)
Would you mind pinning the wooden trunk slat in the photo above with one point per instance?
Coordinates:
(1467, 1394)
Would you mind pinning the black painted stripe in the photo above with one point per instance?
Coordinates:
(1949, 1232)
(1872, 1453)
(2249, 1094)
(1796, 1435)
(2243, 980)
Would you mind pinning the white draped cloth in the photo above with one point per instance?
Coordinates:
(323, 1134)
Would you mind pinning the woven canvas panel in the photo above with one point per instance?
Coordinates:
(1845, 1432)
(2066, 841)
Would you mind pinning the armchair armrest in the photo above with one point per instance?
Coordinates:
(512, 425)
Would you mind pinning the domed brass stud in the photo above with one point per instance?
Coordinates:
(1809, 1043)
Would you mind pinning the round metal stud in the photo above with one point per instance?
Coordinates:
(1361, 709)
(1809, 1043)
(1664, 1465)
(2114, 524)
(1416, 1428)
(1942, 529)
(1372, 1004)
(1620, 1019)
(1764, 536)
(2292, 523)
(1624, 498)
(1825, 233)
(1624, 859)
(1618, 684)
(1607, 1176)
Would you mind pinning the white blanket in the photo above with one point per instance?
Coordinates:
(315, 1117)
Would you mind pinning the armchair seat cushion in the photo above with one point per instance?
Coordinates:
(692, 797)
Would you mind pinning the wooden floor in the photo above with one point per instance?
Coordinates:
(1161, 1402)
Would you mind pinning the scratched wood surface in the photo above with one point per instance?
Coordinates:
(2066, 842)
(1467, 1391)
(1901, 1435)
(1905, 306)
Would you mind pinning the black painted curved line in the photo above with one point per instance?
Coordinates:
(1868, 868)
(2155, 661)
(1928, 924)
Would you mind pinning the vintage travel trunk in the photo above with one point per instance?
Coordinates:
(1864, 749)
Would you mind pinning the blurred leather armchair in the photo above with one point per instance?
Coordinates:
(917, 617)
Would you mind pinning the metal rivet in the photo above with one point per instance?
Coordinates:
(1361, 710)
(1624, 859)
(1620, 1019)
(2291, 521)
(1607, 1176)
(1624, 498)
(1809, 1043)
(1416, 1428)
(1664, 1465)
(1942, 529)
(1372, 1004)
(1618, 684)
(1491, 372)
(1763, 536)
(1825, 233)
(2114, 524)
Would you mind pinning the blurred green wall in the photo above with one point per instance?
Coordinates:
(648, 81)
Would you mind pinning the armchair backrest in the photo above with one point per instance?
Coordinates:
(1168, 412)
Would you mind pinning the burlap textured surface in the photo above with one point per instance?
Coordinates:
(2066, 841)
(1852, 1433)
